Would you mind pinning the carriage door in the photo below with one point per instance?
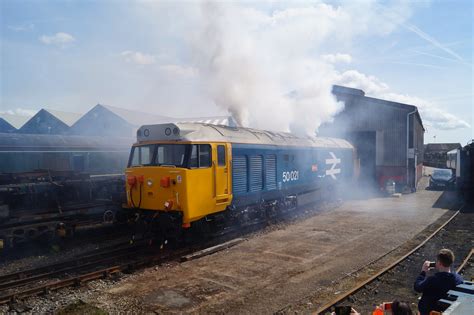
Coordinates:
(221, 172)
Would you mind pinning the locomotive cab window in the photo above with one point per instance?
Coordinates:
(171, 155)
(200, 156)
(221, 155)
(141, 155)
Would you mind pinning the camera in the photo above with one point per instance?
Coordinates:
(432, 264)
(343, 310)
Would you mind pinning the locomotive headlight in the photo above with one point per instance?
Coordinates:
(149, 182)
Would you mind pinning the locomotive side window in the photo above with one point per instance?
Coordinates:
(200, 156)
(221, 155)
(205, 155)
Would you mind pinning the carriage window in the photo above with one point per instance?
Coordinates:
(221, 155)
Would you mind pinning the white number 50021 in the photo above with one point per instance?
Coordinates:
(290, 176)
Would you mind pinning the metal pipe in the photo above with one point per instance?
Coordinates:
(408, 141)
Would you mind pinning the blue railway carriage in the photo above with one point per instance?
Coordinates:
(199, 171)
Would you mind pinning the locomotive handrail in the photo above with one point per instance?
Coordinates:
(214, 167)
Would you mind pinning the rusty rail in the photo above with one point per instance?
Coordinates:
(362, 284)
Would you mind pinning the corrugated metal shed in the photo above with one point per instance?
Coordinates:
(105, 120)
(5, 126)
(378, 129)
(101, 121)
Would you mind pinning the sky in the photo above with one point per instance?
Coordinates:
(270, 64)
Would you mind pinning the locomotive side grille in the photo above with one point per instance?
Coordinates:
(270, 172)
(239, 174)
(256, 173)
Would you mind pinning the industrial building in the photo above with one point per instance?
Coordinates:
(388, 137)
(49, 122)
(97, 142)
(5, 126)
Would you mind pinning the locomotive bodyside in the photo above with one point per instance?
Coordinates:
(273, 172)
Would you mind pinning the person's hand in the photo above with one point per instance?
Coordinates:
(426, 266)
(354, 312)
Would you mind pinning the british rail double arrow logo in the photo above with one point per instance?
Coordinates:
(333, 161)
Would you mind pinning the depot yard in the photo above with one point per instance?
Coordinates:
(295, 267)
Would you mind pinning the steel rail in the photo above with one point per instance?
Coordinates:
(71, 268)
(96, 254)
(362, 284)
(102, 273)
(465, 261)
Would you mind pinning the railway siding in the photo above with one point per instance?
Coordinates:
(270, 272)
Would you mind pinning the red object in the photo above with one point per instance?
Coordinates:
(131, 180)
(377, 311)
(387, 306)
(186, 225)
(165, 182)
(141, 179)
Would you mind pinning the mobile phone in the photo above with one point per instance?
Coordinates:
(432, 264)
(343, 310)
(387, 306)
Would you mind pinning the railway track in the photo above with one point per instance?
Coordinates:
(99, 264)
(116, 259)
(113, 260)
(372, 286)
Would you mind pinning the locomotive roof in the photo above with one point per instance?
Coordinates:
(221, 133)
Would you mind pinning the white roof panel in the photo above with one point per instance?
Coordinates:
(220, 133)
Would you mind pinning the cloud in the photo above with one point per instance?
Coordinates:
(20, 112)
(138, 58)
(179, 70)
(336, 58)
(431, 114)
(432, 40)
(60, 39)
(22, 27)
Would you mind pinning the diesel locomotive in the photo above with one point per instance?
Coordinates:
(184, 174)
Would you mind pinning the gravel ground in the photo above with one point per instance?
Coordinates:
(294, 267)
(91, 297)
(398, 282)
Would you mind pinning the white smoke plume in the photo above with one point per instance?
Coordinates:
(268, 68)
